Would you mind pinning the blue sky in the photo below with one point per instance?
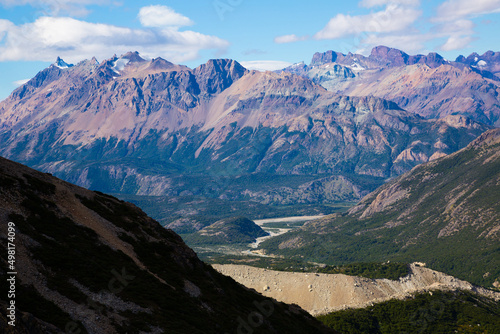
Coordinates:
(259, 34)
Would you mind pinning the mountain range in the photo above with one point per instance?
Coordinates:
(150, 127)
(87, 262)
(427, 85)
(444, 213)
(420, 127)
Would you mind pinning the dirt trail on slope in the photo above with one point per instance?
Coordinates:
(323, 293)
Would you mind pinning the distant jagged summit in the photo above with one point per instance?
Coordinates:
(395, 57)
(489, 61)
(380, 56)
(133, 57)
(320, 58)
(428, 85)
(61, 63)
(383, 56)
(218, 74)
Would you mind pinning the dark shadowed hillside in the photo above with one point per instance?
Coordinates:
(89, 263)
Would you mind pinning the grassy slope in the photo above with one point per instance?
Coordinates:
(441, 312)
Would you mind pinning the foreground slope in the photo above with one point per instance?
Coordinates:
(88, 262)
(445, 213)
(150, 127)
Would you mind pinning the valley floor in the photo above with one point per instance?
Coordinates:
(274, 226)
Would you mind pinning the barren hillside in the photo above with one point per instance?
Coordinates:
(324, 293)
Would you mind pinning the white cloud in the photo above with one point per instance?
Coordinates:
(457, 9)
(265, 65)
(453, 21)
(394, 26)
(458, 33)
(462, 27)
(410, 43)
(21, 82)
(5, 25)
(289, 39)
(162, 16)
(74, 40)
(456, 42)
(393, 18)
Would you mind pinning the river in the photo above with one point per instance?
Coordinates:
(273, 231)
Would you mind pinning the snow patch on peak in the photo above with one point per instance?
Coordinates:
(356, 67)
(482, 63)
(62, 64)
(120, 64)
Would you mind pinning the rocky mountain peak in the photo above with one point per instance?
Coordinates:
(434, 59)
(394, 57)
(320, 58)
(133, 57)
(61, 63)
(428, 85)
(218, 74)
(160, 63)
(119, 64)
(380, 56)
